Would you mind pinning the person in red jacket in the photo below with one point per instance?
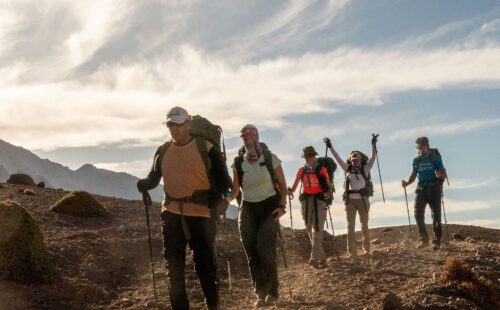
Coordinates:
(316, 188)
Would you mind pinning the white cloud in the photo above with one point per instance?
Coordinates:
(445, 129)
(492, 223)
(128, 100)
(138, 168)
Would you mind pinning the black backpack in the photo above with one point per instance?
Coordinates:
(432, 153)
(367, 191)
(268, 162)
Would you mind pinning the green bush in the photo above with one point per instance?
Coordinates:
(79, 203)
(23, 256)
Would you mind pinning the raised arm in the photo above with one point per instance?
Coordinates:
(370, 163)
(335, 154)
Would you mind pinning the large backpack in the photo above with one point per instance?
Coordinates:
(268, 162)
(330, 167)
(367, 191)
(432, 153)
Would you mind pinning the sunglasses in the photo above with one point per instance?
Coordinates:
(175, 125)
(355, 160)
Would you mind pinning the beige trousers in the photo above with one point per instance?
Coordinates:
(315, 232)
(353, 206)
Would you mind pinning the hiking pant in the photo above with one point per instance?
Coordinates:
(353, 206)
(315, 224)
(202, 232)
(428, 195)
(258, 232)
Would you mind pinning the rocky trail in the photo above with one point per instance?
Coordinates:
(103, 263)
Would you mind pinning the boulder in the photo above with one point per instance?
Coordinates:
(41, 184)
(21, 179)
(79, 203)
(392, 302)
(23, 256)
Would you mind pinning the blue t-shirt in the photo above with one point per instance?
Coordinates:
(426, 170)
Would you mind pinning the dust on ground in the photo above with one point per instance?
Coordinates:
(103, 263)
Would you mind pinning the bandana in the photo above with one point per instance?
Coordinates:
(252, 146)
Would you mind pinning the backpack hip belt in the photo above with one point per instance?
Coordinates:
(200, 197)
(428, 183)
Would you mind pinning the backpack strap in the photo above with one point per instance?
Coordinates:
(238, 162)
(268, 159)
(321, 178)
(201, 143)
(161, 153)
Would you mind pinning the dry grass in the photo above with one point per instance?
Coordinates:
(29, 192)
(460, 275)
(81, 204)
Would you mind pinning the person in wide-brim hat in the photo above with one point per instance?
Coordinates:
(316, 189)
(309, 151)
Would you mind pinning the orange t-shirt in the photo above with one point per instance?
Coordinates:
(184, 172)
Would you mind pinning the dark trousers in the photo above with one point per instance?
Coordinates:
(428, 195)
(258, 234)
(202, 232)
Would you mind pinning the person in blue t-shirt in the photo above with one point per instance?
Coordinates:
(428, 166)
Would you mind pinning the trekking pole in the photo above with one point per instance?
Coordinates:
(227, 257)
(408, 212)
(291, 220)
(445, 220)
(378, 166)
(147, 202)
(282, 243)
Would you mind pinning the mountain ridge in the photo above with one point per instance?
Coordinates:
(14, 159)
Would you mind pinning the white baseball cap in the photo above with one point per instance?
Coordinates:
(177, 115)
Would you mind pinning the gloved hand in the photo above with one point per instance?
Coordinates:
(328, 142)
(374, 139)
(143, 185)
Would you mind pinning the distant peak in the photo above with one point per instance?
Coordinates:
(87, 167)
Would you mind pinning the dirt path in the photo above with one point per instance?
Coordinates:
(103, 264)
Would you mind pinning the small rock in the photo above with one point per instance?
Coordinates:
(376, 241)
(457, 236)
(41, 185)
(471, 240)
(392, 302)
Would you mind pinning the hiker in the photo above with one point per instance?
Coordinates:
(191, 190)
(358, 188)
(317, 188)
(428, 167)
(258, 173)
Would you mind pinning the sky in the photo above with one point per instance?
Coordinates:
(91, 81)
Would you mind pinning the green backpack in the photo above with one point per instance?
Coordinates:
(202, 127)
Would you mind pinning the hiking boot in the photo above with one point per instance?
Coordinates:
(270, 299)
(423, 244)
(261, 302)
(314, 263)
(435, 245)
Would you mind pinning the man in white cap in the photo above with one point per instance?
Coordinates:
(186, 218)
